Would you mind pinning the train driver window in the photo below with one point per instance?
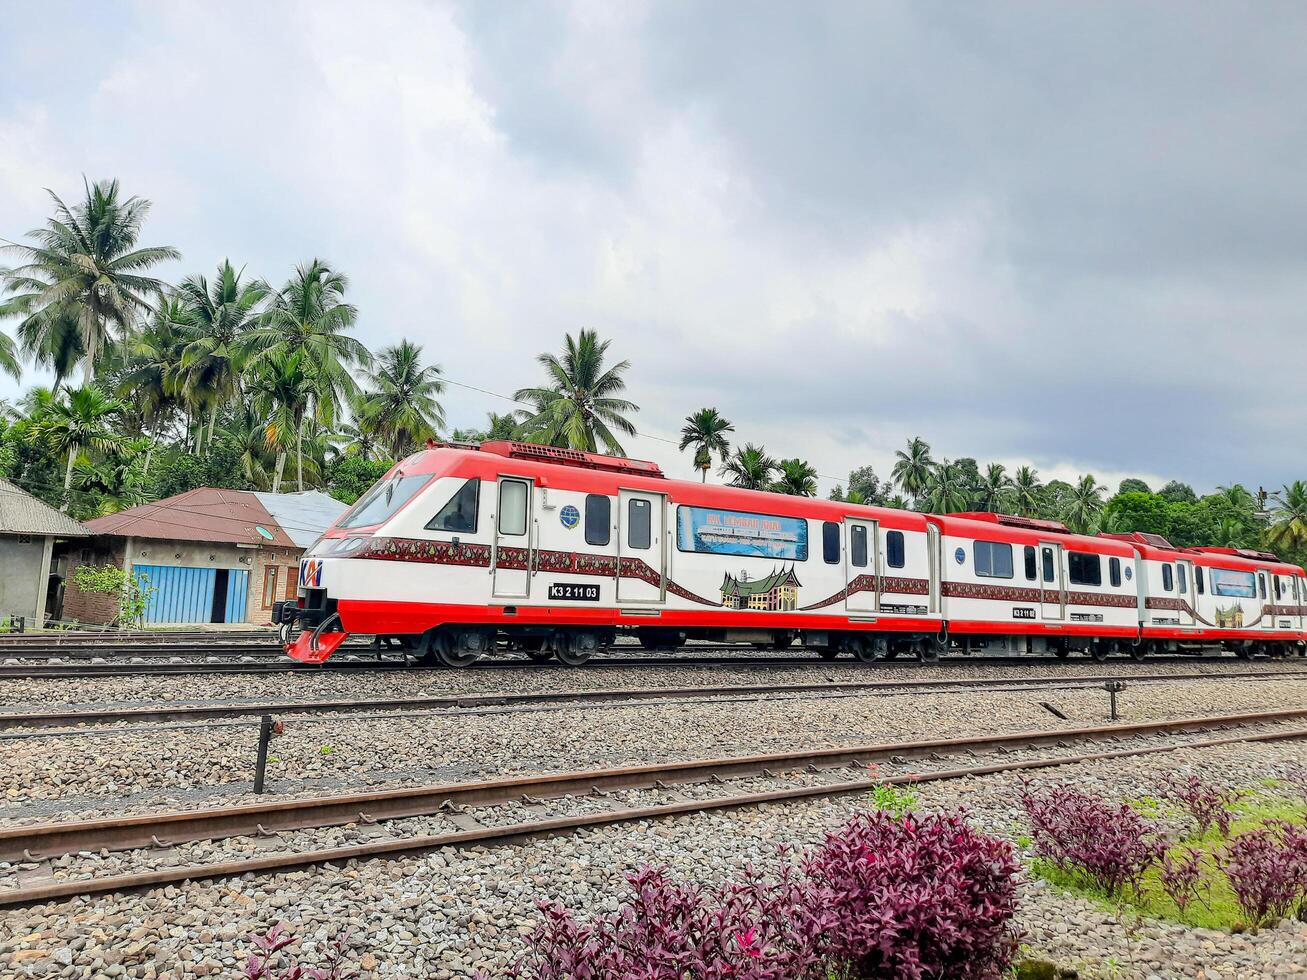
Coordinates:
(1029, 555)
(460, 511)
(639, 522)
(858, 545)
(1114, 572)
(1047, 560)
(512, 507)
(1168, 582)
(894, 549)
(830, 543)
(1198, 579)
(1181, 579)
(598, 518)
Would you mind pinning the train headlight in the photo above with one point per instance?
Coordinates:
(348, 546)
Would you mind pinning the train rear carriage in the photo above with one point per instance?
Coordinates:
(1022, 585)
(555, 551)
(1242, 600)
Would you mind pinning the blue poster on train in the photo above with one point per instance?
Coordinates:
(1231, 583)
(733, 532)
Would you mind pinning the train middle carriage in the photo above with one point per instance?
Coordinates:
(554, 551)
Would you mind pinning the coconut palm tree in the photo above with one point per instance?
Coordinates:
(795, 477)
(749, 468)
(913, 467)
(1084, 504)
(1025, 491)
(579, 409)
(153, 371)
(1288, 528)
(304, 326)
(215, 319)
(400, 408)
(994, 491)
(83, 419)
(9, 357)
(283, 396)
(946, 490)
(83, 268)
(705, 431)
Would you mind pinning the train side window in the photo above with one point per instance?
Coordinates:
(1261, 583)
(1181, 578)
(1199, 584)
(460, 511)
(1084, 569)
(1114, 572)
(1031, 569)
(1279, 592)
(894, 549)
(598, 518)
(830, 542)
(512, 507)
(1168, 582)
(1049, 571)
(858, 545)
(639, 523)
(993, 559)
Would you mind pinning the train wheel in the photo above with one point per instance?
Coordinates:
(783, 641)
(536, 648)
(927, 651)
(1099, 650)
(1060, 650)
(1139, 651)
(575, 647)
(1244, 651)
(461, 649)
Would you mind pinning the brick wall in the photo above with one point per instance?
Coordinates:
(286, 563)
(91, 607)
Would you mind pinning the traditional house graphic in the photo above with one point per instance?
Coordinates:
(1230, 618)
(777, 592)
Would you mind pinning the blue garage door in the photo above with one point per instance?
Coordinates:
(238, 590)
(181, 595)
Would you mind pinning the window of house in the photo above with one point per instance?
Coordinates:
(993, 559)
(460, 511)
(1114, 572)
(894, 556)
(269, 586)
(1168, 581)
(639, 523)
(858, 545)
(830, 543)
(1032, 570)
(512, 507)
(598, 519)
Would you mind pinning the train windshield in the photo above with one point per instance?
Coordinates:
(383, 500)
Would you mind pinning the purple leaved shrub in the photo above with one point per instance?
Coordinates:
(1267, 870)
(884, 897)
(1084, 835)
(914, 897)
(1208, 805)
(267, 945)
(1180, 878)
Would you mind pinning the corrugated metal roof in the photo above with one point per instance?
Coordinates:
(21, 513)
(226, 516)
(303, 516)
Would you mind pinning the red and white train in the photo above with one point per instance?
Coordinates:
(555, 552)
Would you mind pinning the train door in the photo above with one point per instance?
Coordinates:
(511, 553)
(641, 546)
(862, 566)
(934, 544)
(1052, 584)
(1184, 589)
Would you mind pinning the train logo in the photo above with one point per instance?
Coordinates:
(311, 574)
(569, 517)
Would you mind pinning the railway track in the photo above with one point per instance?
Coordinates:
(68, 721)
(803, 775)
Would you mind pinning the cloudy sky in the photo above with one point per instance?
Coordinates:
(1073, 235)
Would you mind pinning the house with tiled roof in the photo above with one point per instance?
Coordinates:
(208, 555)
(777, 592)
(29, 529)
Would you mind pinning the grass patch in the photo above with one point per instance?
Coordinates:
(1216, 907)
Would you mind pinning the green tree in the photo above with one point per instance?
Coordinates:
(946, 490)
(401, 406)
(995, 490)
(349, 477)
(866, 484)
(749, 468)
(215, 319)
(81, 420)
(705, 432)
(9, 357)
(1025, 491)
(796, 478)
(1084, 504)
(152, 377)
(1133, 485)
(579, 409)
(283, 396)
(1288, 530)
(913, 467)
(1178, 493)
(1136, 511)
(84, 268)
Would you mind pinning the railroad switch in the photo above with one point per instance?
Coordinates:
(1113, 688)
(267, 728)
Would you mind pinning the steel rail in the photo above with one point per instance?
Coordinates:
(564, 699)
(119, 833)
(513, 833)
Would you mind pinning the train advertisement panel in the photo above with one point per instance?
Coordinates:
(734, 532)
(1231, 583)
